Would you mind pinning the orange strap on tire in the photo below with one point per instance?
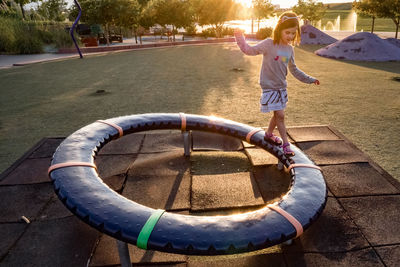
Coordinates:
(120, 130)
(304, 166)
(70, 164)
(251, 133)
(183, 124)
(296, 224)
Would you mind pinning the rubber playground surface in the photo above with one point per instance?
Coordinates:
(359, 226)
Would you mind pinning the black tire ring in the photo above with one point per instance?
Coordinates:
(84, 193)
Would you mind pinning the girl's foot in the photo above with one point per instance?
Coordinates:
(272, 139)
(286, 149)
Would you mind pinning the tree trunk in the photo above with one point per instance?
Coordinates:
(397, 22)
(22, 10)
(135, 33)
(373, 24)
(258, 26)
(108, 34)
(173, 33)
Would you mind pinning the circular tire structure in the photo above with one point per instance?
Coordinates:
(79, 187)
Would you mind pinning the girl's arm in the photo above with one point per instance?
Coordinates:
(259, 48)
(298, 74)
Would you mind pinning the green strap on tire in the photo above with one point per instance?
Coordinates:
(147, 229)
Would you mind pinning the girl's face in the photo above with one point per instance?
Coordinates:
(288, 35)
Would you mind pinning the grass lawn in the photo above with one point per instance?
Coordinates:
(56, 98)
(363, 22)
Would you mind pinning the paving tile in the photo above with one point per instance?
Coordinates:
(219, 162)
(213, 141)
(30, 171)
(169, 192)
(23, 200)
(312, 133)
(10, 232)
(376, 216)
(65, 242)
(160, 180)
(129, 144)
(154, 143)
(356, 179)
(273, 183)
(54, 209)
(160, 164)
(110, 165)
(361, 258)
(228, 190)
(263, 260)
(332, 152)
(115, 182)
(390, 255)
(260, 157)
(47, 148)
(106, 254)
(334, 231)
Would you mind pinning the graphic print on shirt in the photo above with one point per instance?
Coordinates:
(282, 55)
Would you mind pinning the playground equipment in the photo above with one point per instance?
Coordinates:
(79, 187)
(71, 31)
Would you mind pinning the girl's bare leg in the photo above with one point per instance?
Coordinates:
(279, 117)
(272, 125)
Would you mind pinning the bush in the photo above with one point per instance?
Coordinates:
(28, 37)
(209, 32)
(62, 39)
(7, 36)
(28, 44)
(264, 33)
(191, 30)
(226, 31)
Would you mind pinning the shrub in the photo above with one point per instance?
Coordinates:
(28, 44)
(227, 31)
(209, 32)
(62, 39)
(191, 30)
(264, 33)
(7, 36)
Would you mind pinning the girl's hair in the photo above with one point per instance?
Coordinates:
(287, 20)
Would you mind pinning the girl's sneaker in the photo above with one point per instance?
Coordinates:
(272, 139)
(286, 149)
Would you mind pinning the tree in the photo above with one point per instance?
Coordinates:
(129, 14)
(391, 9)
(53, 10)
(262, 9)
(214, 12)
(368, 8)
(21, 4)
(310, 10)
(173, 12)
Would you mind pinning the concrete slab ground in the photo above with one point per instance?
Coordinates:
(359, 226)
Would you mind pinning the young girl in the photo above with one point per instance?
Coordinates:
(278, 55)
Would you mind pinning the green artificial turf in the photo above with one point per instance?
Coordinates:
(360, 99)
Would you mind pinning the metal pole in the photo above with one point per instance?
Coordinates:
(123, 252)
(187, 142)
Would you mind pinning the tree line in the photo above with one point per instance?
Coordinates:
(379, 9)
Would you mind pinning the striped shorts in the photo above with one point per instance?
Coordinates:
(272, 100)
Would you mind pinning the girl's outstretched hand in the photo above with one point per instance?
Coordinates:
(316, 82)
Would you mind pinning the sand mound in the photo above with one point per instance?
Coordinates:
(394, 41)
(311, 35)
(362, 46)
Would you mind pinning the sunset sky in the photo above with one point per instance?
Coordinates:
(282, 3)
(290, 3)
